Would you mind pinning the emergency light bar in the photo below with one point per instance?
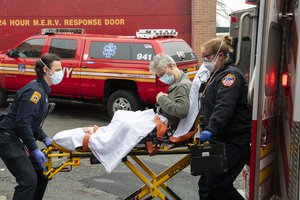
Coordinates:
(51, 31)
(155, 33)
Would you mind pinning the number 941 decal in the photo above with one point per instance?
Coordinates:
(141, 56)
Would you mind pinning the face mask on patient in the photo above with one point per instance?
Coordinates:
(167, 79)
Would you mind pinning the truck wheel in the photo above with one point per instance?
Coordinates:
(122, 100)
(3, 97)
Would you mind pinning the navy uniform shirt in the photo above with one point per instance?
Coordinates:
(27, 112)
(224, 105)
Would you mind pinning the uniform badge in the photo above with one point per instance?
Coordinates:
(35, 97)
(228, 80)
(21, 68)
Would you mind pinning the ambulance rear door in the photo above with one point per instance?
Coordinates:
(257, 36)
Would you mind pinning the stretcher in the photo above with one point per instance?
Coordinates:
(155, 186)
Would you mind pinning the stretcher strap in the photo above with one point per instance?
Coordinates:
(183, 137)
(86, 138)
(161, 127)
(152, 150)
(188, 135)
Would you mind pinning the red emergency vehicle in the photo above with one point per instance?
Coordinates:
(266, 42)
(98, 68)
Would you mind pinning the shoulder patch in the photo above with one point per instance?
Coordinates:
(228, 80)
(36, 96)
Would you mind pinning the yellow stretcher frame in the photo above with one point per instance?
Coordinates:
(151, 186)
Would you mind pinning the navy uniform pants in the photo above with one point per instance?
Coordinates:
(29, 175)
(220, 186)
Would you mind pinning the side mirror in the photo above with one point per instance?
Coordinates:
(12, 53)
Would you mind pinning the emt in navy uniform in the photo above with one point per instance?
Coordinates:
(21, 127)
(227, 118)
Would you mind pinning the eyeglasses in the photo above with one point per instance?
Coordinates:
(205, 58)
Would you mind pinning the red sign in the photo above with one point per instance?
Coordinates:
(22, 18)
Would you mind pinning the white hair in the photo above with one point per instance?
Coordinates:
(161, 61)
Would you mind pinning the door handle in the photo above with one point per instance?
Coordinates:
(239, 44)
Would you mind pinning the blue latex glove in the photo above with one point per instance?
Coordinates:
(205, 136)
(40, 158)
(48, 141)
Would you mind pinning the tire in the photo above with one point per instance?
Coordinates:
(122, 100)
(3, 97)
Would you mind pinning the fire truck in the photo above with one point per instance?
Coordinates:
(266, 39)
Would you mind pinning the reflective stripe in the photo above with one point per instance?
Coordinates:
(105, 70)
(192, 72)
(15, 69)
(16, 65)
(264, 174)
(113, 75)
(268, 149)
(9, 68)
(267, 161)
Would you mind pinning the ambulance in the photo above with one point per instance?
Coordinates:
(266, 39)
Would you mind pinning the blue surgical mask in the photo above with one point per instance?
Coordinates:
(57, 77)
(167, 79)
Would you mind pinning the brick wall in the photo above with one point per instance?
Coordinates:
(203, 23)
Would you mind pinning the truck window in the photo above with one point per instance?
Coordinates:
(179, 51)
(64, 48)
(244, 64)
(142, 52)
(110, 50)
(31, 48)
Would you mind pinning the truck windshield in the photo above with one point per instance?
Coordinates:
(180, 51)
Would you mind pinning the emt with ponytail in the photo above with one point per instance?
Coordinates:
(227, 118)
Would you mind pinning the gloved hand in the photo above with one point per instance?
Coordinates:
(40, 158)
(47, 141)
(205, 136)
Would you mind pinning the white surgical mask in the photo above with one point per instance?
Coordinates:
(211, 65)
(57, 77)
(167, 79)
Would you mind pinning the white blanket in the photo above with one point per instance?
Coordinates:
(186, 123)
(113, 142)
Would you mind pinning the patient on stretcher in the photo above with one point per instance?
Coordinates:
(111, 143)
